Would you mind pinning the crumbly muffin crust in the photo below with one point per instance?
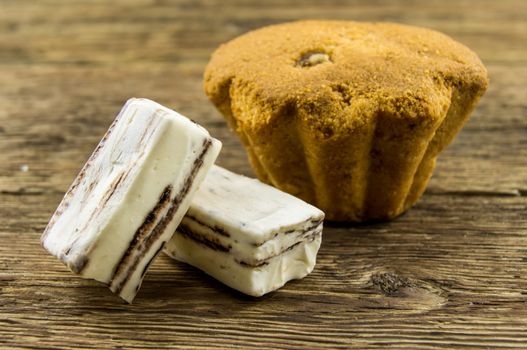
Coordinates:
(347, 115)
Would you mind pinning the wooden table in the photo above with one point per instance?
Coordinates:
(451, 273)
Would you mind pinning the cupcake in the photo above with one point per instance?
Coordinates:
(347, 116)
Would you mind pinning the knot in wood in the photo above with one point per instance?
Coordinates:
(389, 283)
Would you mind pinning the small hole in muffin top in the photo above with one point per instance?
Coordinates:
(313, 58)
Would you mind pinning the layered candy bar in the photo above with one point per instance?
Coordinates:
(248, 235)
(130, 196)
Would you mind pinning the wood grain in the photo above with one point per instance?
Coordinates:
(451, 273)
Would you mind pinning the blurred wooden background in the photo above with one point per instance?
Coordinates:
(451, 273)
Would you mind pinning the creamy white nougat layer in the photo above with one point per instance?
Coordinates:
(295, 263)
(131, 195)
(249, 229)
(246, 251)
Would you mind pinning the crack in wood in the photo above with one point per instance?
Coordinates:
(479, 193)
(28, 191)
(31, 192)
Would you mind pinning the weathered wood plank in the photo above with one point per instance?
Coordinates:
(68, 130)
(438, 275)
(94, 33)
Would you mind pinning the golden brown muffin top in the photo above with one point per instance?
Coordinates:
(337, 72)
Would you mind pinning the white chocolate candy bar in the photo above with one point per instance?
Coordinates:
(250, 236)
(131, 195)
